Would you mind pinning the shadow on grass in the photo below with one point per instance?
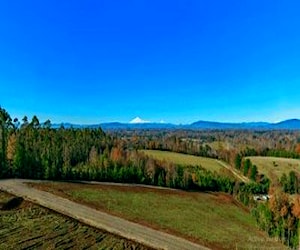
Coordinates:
(12, 203)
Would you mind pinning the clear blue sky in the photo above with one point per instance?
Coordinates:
(177, 61)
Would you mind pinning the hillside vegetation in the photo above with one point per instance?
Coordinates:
(213, 219)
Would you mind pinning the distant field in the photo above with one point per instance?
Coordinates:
(215, 220)
(184, 159)
(29, 226)
(274, 167)
(207, 163)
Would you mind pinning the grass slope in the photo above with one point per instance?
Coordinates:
(274, 167)
(32, 227)
(184, 159)
(214, 220)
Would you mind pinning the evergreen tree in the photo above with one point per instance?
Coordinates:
(238, 161)
(247, 165)
(292, 183)
(253, 172)
(284, 182)
(5, 125)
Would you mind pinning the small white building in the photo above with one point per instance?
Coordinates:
(261, 197)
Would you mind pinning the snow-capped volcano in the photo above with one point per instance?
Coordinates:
(138, 120)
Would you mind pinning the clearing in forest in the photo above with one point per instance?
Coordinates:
(185, 159)
(214, 220)
(274, 167)
(210, 164)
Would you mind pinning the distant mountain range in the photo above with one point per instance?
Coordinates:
(292, 124)
(287, 124)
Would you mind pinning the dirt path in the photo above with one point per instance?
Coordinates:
(97, 219)
(239, 176)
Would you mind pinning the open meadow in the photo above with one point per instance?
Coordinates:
(210, 164)
(274, 167)
(24, 225)
(215, 220)
(185, 159)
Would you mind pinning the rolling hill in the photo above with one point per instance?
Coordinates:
(274, 167)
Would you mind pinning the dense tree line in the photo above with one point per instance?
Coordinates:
(272, 152)
(290, 183)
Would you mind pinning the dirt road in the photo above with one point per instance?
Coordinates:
(97, 219)
(239, 176)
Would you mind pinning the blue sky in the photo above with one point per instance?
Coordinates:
(177, 61)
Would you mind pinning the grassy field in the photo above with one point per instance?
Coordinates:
(27, 226)
(215, 220)
(274, 167)
(184, 159)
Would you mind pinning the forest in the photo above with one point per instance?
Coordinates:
(34, 150)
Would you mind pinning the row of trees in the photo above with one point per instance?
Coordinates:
(290, 183)
(281, 152)
(246, 167)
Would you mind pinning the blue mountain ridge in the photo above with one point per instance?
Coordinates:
(291, 124)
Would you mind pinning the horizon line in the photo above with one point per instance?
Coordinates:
(171, 123)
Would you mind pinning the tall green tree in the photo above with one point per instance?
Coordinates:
(253, 172)
(247, 165)
(238, 161)
(5, 125)
(284, 182)
(292, 183)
